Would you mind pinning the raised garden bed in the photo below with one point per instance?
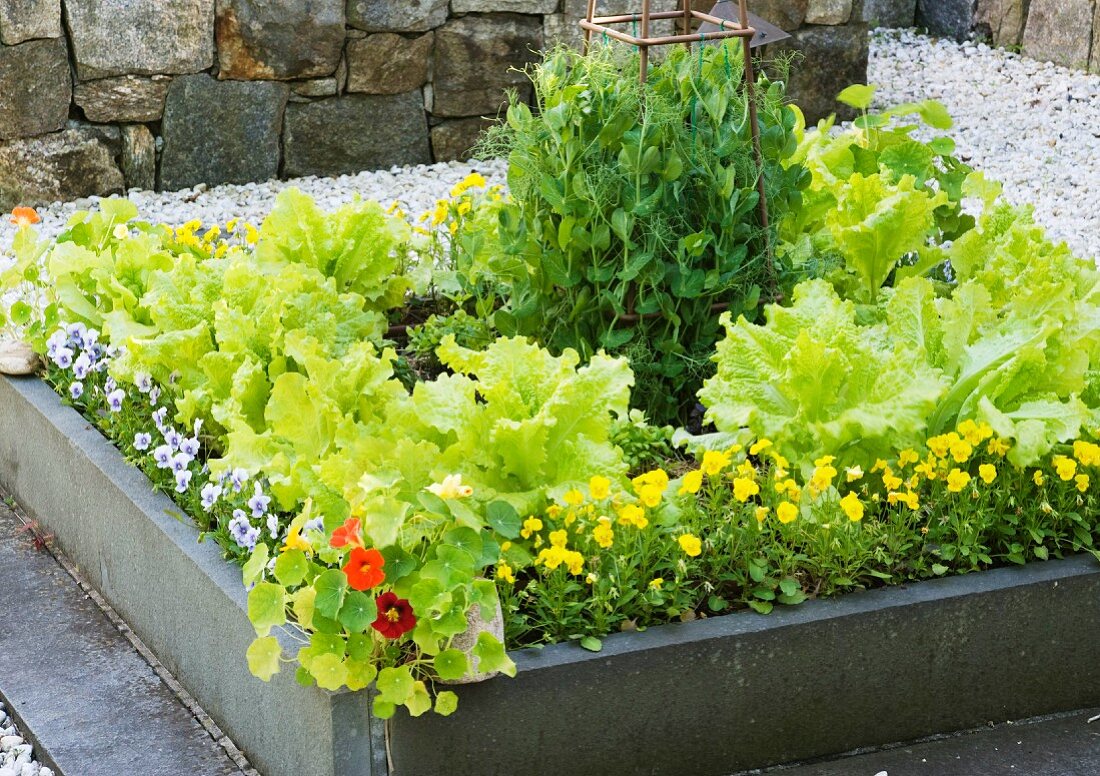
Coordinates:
(707, 697)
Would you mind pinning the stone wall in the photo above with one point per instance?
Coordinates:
(97, 96)
(1065, 32)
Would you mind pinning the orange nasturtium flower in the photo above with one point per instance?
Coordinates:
(347, 534)
(24, 216)
(364, 568)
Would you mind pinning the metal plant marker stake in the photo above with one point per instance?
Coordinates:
(726, 28)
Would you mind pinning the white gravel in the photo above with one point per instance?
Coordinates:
(1032, 125)
(16, 755)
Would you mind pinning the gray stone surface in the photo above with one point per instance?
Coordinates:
(180, 597)
(476, 60)
(564, 28)
(34, 88)
(116, 37)
(515, 6)
(221, 131)
(397, 15)
(386, 63)
(1094, 62)
(832, 59)
(76, 162)
(949, 18)
(91, 702)
(829, 11)
(355, 132)
(139, 157)
(454, 139)
(1060, 31)
(785, 14)
(1001, 20)
(122, 98)
(316, 87)
(1067, 745)
(22, 20)
(890, 13)
(278, 39)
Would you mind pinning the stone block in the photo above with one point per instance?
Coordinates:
(355, 132)
(22, 20)
(316, 87)
(477, 58)
(1060, 31)
(221, 131)
(397, 15)
(75, 162)
(1094, 64)
(139, 157)
(117, 37)
(497, 6)
(564, 27)
(278, 39)
(386, 63)
(455, 139)
(889, 13)
(122, 98)
(35, 88)
(832, 59)
(1002, 21)
(828, 11)
(947, 18)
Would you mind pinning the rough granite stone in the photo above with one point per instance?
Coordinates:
(828, 11)
(478, 57)
(1059, 31)
(139, 157)
(1094, 64)
(116, 37)
(386, 63)
(564, 27)
(73, 163)
(832, 59)
(785, 14)
(948, 18)
(22, 20)
(890, 13)
(355, 132)
(515, 6)
(397, 15)
(35, 88)
(278, 39)
(221, 131)
(1002, 21)
(453, 140)
(316, 87)
(122, 98)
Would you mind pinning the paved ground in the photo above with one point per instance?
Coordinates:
(79, 689)
(1067, 745)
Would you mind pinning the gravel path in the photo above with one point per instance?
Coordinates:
(1031, 125)
(16, 755)
(1034, 126)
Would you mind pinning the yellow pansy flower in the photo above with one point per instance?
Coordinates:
(650, 495)
(451, 487)
(294, 541)
(472, 181)
(656, 583)
(759, 446)
(559, 538)
(786, 512)
(530, 525)
(603, 534)
(761, 514)
(906, 457)
(880, 465)
(714, 462)
(691, 483)
(744, 489)
(852, 507)
(853, 473)
(997, 447)
(823, 474)
(575, 562)
(504, 571)
(1038, 478)
(1065, 467)
(1086, 452)
(634, 515)
(690, 544)
(961, 450)
(573, 497)
(988, 473)
(1082, 481)
(890, 480)
(957, 479)
(599, 487)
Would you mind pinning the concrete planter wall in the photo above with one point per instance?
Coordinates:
(709, 698)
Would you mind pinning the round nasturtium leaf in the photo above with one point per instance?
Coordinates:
(491, 656)
(263, 657)
(21, 312)
(266, 607)
(357, 612)
(331, 587)
(302, 601)
(395, 684)
(359, 646)
(329, 671)
(360, 673)
(451, 664)
(446, 703)
(382, 709)
(419, 702)
(291, 568)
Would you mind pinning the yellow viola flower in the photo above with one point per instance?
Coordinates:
(251, 236)
(575, 562)
(940, 445)
(691, 545)
(852, 507)
(634, 515)
(890, 480)
(961, 450)
(1086, 453)
(997, 447)
(786, 512)
(658, 478)
(552, 557)
(599, 488)
(744, 489)
(927, 468)
(504, 571)
(823, 474)
(957, 479)
(231, 224)
(530, 526)
(472, 181)
(656, 584)
(714, 462)
(553, 511)
(759, 446)
(746, 469)
(1038, 478)
(1065, 467)
(559, 538)
(603, 534)
(451, 487)
(971, 432)
(573, 497)
(761, 514)
(911, 500)
(294, 541)
(853, 473)
(592, 577)
(988, 473)
(691, 483)
(780, 462)
(1082, 482)
(906, 457)
(650, 495)
(880, 465)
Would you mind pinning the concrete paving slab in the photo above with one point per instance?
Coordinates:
(1066, 745)
(77, 687)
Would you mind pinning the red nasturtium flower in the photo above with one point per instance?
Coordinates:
(24, 216)
(347, 534)
(395, 616)
(364, 568)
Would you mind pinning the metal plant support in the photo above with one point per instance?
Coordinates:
(725, 28)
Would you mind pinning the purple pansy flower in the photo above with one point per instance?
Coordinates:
(163, 456)
(173, 438)
(142, 440)
(190, 445)
(114, 399)
(258, 503)
(210, 494)
(76, 390)
(183, 479)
